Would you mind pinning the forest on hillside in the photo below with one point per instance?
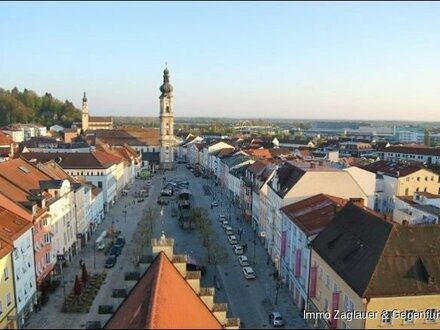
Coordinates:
(28, 107)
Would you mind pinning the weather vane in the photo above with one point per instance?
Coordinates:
(166, 64)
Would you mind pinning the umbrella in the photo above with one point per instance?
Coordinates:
(84, 275)
(77, 286)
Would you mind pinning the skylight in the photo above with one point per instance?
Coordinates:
(24, 169)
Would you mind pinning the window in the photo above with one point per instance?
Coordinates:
(431, 315)
(406, 192)
(335, 288)
(426, 178)
(386, 317)
(8, 299)
(320, 274)
(47, 258)
(1, 307)
(327, 281)
(46, 238)
(409, 317)
(418, 178)
(325, 304)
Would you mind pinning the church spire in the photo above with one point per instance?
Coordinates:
(84, 97)
(166, 88)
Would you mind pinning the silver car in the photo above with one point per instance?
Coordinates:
(276, 319)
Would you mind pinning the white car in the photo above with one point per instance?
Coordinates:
(221, 217)
(225, 224)
(243, 261)
(214, 204)
(276, 319)
(229, 230)
(232, 239)
(238, 249)
(248, 273)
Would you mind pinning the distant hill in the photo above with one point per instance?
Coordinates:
(28, 107)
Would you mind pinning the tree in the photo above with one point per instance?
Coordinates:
(144, 233)
(216, 252)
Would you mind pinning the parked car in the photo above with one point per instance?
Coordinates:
(238, 249)
(225, 224)
(221, 217)
(120, 242)
(248, 273)
(214, 204)
(232, 239)
(148, 183)
(110, 262)
(166, 192)
(243, 261)
(276, 319)
(115, 250)
(229, 230)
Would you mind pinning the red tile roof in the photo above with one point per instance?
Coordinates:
(12, 226)
(392, 168)
(75, 160)
(162, 299)
(258, 167)
(129, 136)
(260, 153)
(314, 213)
(419, 150)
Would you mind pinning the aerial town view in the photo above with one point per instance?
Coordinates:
(219, 165)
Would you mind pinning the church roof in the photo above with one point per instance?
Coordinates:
(96, 119)
(163, 299)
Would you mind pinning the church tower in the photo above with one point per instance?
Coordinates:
(166, 123)
(85, 113)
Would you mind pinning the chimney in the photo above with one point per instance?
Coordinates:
(358, 202)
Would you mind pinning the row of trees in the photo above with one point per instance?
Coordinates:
(28, 107)
(217, 253)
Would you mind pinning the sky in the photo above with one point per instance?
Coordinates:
(296, 60)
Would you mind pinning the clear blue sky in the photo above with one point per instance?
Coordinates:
(335, 60)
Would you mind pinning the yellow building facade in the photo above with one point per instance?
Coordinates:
(368, 273)
(8, 310)
(415, 312)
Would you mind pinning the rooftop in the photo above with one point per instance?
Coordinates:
(312, 214)
(162, 299)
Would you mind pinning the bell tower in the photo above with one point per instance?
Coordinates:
(166, 123)
(85, 113)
